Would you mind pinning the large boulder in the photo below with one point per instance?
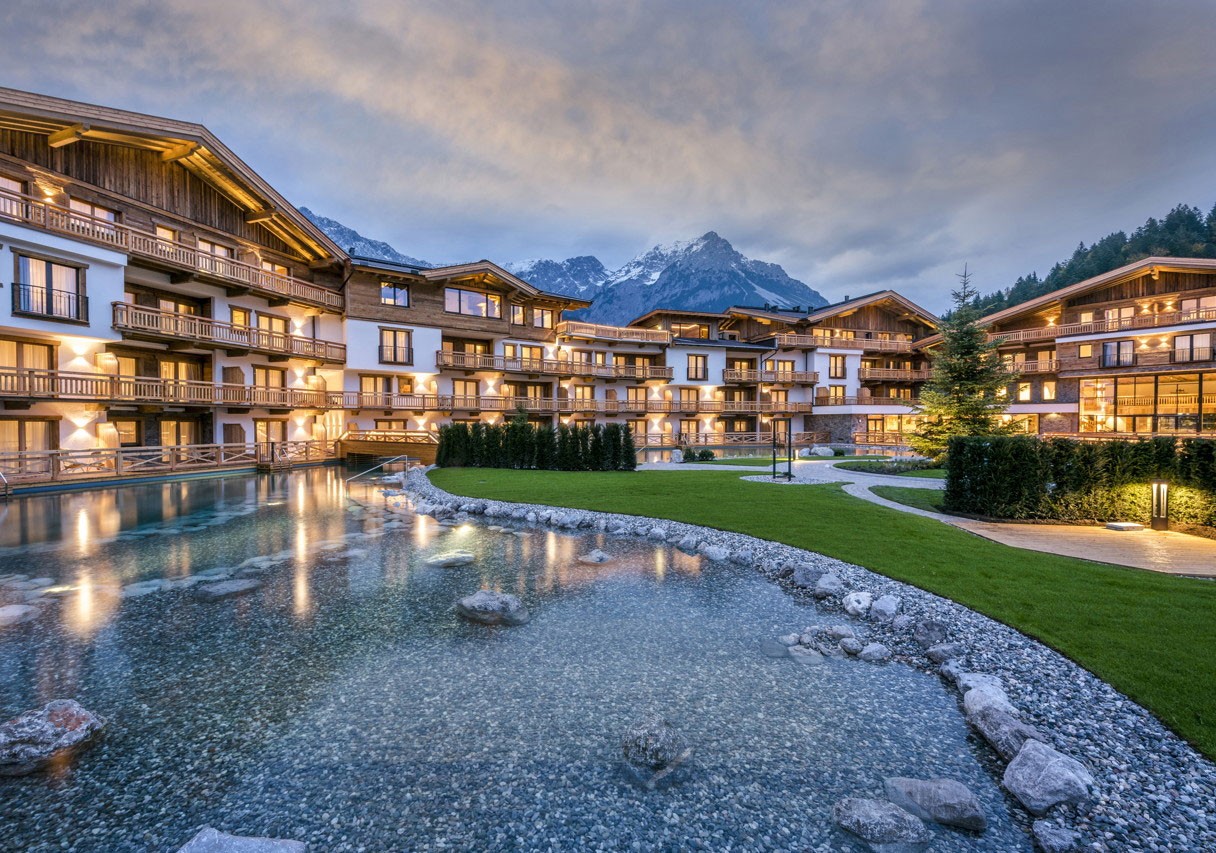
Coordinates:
(450, 559)
(210, 840)
(878, 822)
(653, 749)
(1005, 732)
(16, 614)
(822, 451)
(929, 633)
(714, 553)
(857, 603)
(1041, 778)
(987, 697)
(943, 652)
(943, 801)
(595, 557)
(885, 607)
(806, 575)
(828, 585)
(874, 653)
(493, 608)
(226, 589)
(52, 733)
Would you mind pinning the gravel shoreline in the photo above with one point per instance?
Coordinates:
(1154, 791)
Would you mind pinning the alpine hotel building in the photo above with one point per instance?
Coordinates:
(169, 310)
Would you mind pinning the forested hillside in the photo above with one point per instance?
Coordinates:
(1184, 233)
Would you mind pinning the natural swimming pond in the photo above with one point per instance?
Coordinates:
(345, 704)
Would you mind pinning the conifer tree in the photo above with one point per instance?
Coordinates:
(629, 457)
(967, 394)
(546, 449)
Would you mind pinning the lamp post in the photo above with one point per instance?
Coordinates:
(1160, 515)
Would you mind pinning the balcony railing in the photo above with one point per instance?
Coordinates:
(31, 466)
(771, 377)
(554, 405)
(34, 384)
(34, 301)
(1188, 356)
(1118, 324)
(204, 330)
(550, 366)
(47, 216)
(1041, 366)
(725, 439)
(871, 400)
(885, 439)
(790, 341)
(396, 355)
(595, 331)
(884, 374)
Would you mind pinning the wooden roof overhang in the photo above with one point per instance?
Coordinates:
(190, 145)
(487, 273)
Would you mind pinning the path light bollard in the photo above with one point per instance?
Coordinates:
(1160, 515)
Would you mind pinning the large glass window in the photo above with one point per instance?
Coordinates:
(690, 330)
(396, 294)
(543, 318)
(1193, 347)
(472, 302)
(19, 434)
(837, 368)
(698, 367)
(1118, 353)
(396, 346)
(49, 289)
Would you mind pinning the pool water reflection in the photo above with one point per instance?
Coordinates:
(346, 705)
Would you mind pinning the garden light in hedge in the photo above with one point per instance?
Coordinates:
(1160, 516)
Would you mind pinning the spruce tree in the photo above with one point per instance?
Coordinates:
(629, 457)
(967, 393)
(546, 448)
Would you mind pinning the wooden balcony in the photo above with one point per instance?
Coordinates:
(869, 400)
(883, 374)
(1097, 327)
(614, 334)
(1023, 367)
(548, 366)
(26, 384)
(557, 405)
(772, 377)
(789, 341)
(43, 215)
(203, 331)
(881, 439)
(758, 440)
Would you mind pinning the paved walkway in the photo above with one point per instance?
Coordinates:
(1158, 551)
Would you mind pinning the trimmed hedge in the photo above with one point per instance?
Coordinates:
(1024, 477)
(519, 444)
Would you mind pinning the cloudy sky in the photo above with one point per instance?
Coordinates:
(860, 144)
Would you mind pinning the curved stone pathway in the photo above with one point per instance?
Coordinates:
(1159, 551)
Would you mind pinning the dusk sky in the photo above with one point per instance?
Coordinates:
(861, 145)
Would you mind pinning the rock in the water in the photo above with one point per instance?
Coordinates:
(714, 553)
(493, 608)
(1003, 731)
(807, 575)
(885, 607)
(210, 840)
(874, 653)
(943, 652)
(1053, 838)
(688, 543)
(226, 589)
(804, 655)
(1041, 778)
(857, 603)
(788, 639)
(930, 633)
(943, 801)
(987, 697)
(774, 649)
(828, 585)
(450, 559)
(850, 645)
(951, 670)
(142, 588)
(653, 749)
(34, 739)
(839, 632)
(878, 822)
(595, 557)
(15, 614)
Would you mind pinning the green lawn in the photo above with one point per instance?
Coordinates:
(1151, 636)
(926, 473)
(930, 499)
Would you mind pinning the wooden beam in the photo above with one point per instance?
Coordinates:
(255, 216)
(179, 152)
(67, 136)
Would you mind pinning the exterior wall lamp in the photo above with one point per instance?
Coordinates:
(1160, 515)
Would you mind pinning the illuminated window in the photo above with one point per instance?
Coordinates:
(1085, 351)
(1049, 390)
(542, 318)
(396, 346)
(837, 369)
(48, 289)
(518, 315)
(1023, 392)
(392, 293)
(277, 269)
(474, 303)
(698, 367)
(166, 234)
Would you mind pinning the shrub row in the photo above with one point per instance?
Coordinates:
(1023, 477)
(519, 444)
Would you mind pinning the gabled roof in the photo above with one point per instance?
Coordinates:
(848, 306)
(190, 145)
(483, 267)
(1132, 270)
(676, 312)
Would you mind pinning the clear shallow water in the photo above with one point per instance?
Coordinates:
(346, 705)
